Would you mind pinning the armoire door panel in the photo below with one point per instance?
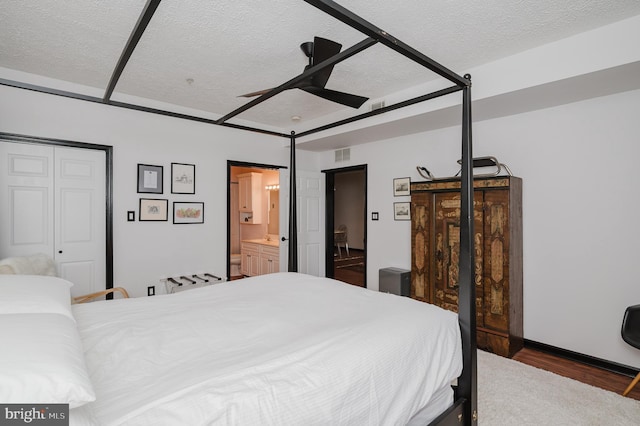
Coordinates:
(496, 273)
(421, 257)
(447, 251)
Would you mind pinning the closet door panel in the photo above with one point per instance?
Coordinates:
(80, 218)
(29, 216)
(26, 194)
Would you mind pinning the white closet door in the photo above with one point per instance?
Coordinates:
(80, 218)
(26, 199)
(53, 202)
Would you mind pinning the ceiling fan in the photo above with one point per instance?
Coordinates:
(318, 50)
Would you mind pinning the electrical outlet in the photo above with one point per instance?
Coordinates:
(151, 290)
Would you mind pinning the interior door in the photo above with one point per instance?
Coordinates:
(311, 222)
(53, 202)
(80, 218)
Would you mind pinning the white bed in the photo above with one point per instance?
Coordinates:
(279, 349)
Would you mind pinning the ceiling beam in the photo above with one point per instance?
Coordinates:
(354, 21)
(97, 100)
(345, 54)
(134, 38)
(382, 110)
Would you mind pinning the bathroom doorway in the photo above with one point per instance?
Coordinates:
(346, 191)
(253, 207)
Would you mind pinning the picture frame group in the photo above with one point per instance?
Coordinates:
(150, 180)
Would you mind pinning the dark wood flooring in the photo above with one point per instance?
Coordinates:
(593, 376)
(349, 268)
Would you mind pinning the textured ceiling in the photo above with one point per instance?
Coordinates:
(202, 54)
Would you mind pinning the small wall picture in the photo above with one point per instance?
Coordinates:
(153, 210)
(183, 178)
(402, 211)
(149, 179)
(188, 212)
(401, 186)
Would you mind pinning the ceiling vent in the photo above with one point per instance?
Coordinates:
(343, 154)
(377, 105)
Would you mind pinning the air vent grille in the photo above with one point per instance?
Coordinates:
(377, 105)
(343, 154)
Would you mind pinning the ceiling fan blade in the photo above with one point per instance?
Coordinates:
(323, 49)
(252, 94)
(353, 101)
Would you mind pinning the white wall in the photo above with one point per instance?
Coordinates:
(581, 196)
(146, 251)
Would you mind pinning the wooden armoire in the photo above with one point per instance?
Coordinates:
(435, 242)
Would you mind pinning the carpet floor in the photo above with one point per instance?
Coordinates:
(512, 393)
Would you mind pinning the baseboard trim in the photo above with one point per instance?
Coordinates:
(582, 358)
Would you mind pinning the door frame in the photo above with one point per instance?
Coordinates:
(108, 150)
(230, 164)
(330, 211)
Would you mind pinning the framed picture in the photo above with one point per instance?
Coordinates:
(153, 210)
(183, 178)
(402, 211)
(149, 179)
(188, 212)
(401, 186)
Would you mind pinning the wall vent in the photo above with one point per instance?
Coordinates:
(343, 154)
(377, 105)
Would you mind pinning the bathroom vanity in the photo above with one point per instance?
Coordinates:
(259, 257)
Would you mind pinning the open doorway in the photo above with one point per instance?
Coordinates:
(253, 219)
(346, 254)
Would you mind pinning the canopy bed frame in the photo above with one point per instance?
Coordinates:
(464, 408)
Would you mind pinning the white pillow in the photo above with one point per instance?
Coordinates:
(42, 361)
(24, 294)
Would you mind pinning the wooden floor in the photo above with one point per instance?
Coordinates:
(584, 373)
(349, 268)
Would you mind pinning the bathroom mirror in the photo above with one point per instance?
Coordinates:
(273, 226)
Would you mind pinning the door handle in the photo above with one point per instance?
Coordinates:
(59, 251)
(283, 239)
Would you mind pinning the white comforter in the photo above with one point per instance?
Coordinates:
(279, 349)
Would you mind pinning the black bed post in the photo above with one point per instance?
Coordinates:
(293, 216)
(467, 385)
